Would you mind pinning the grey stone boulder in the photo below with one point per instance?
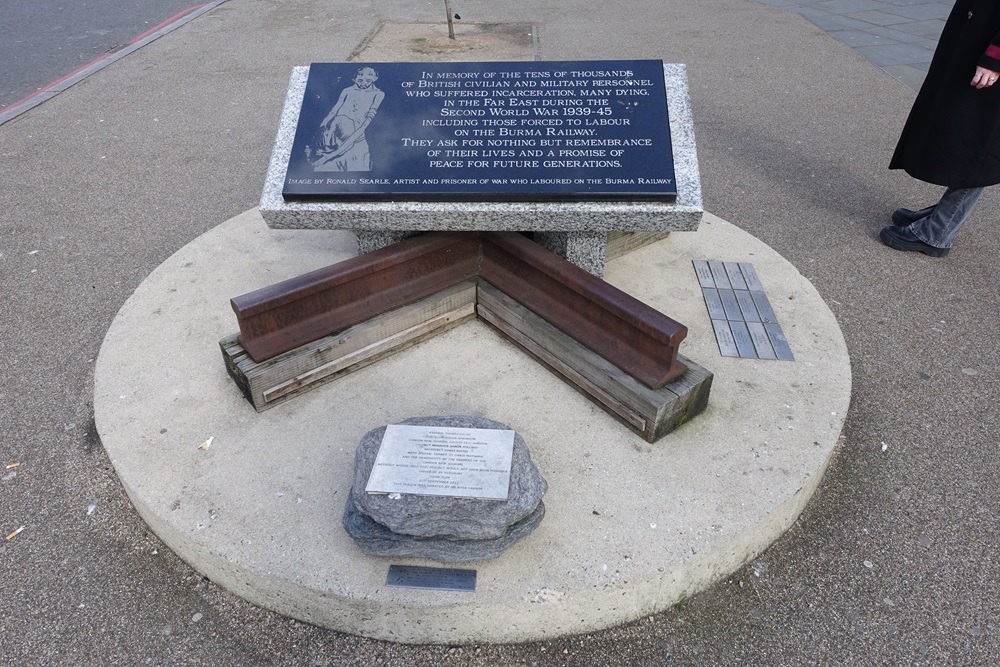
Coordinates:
(375, 539)
(440, 516)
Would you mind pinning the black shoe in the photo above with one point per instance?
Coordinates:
(904, 217)
(903, 239)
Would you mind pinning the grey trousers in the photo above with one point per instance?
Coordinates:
(938, 225)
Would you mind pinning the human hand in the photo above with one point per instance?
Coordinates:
(984, 77)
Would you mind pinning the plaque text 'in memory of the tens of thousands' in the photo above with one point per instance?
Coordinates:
(510, 131)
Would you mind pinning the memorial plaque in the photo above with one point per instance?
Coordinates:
(744, 343)
(506, 131)
(744, 322)
(714, 304)
(436, 578)
(777, 337)
(727, 344)
(763, 307)
(731, 305)
(750, 275)
(443, 461)
(704, 273)
(735, 276)
(760, 341)
(720, 275)
(747, 306)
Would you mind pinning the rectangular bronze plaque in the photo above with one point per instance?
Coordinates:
(719, 275)
(744, 322)
(744, 343)
(777, 337)
(481, 131)
(443, 461)
(436, 578)
(714, 303)
(760, 341)
(731, 305)
(747, 306)
(704, 273)
(724, 335)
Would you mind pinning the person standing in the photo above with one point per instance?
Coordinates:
(952, 135)
(344, 145)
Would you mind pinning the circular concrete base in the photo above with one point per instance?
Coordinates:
(630, 529)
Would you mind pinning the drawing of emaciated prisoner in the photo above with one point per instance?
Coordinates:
(344, 146)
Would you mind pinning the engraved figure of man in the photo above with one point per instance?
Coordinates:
(344, 145)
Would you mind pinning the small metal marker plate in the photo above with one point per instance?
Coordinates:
(435, 578)
(742, 317)
(714, 302)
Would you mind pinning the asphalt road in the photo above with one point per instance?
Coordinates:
(894, 562)
(44, 40)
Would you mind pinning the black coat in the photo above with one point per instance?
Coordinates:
(952, 136)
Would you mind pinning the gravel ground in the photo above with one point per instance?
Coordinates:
(893, 562)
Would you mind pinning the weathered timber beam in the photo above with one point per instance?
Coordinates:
(633, 336)
(297, 311)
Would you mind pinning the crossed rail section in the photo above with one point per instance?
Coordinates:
(617, 350)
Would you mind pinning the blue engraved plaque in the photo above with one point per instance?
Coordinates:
(500, 131)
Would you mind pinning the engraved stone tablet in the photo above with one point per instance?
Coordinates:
(442, 461)
(508, 131)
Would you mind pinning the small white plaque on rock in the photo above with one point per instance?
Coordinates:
(443, 461)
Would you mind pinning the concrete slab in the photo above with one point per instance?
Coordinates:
(258, 509)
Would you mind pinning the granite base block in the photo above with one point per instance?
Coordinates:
(585, 249)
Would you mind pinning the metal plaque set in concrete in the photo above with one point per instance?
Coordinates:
(433, 578)
(513, 131)
(744, 322)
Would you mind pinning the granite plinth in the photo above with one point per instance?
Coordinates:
(570, 218)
